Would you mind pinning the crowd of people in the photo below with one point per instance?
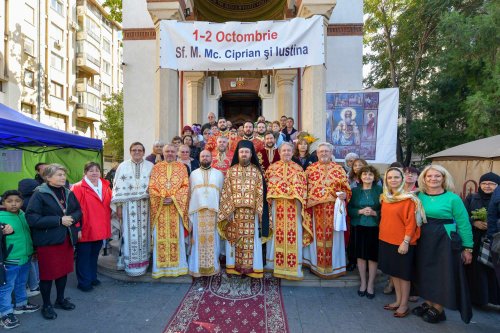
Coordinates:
(253, 198)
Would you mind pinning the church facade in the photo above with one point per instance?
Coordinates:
(159, 101)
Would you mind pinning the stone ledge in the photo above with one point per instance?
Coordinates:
(107, 266)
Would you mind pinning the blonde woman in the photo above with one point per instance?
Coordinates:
(401, 213)
(445, 245)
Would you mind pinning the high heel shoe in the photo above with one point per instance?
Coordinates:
(361, 293)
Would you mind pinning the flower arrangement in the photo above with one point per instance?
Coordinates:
(308, 137)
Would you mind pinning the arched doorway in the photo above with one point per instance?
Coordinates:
(239, 107)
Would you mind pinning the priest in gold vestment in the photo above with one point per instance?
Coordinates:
(327, 192)
(169, 196)
(286, 194)
(205, 184)
(244, 214)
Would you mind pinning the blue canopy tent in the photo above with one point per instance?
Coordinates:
(24, 142)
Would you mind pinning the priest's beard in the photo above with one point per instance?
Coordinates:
(205, 165)
(244, 161)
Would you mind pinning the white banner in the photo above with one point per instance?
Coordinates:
(363, 122)
(203, 46)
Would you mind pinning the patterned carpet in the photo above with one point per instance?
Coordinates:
(227, 303)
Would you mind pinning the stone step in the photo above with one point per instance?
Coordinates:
(107, 267)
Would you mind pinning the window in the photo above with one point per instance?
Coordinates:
(106, 45)
(57, 90)
(56, 120)
(57, 5)
(56, 62)
(106, 66)
(29, 78)
(94, 10)
(29, 46)
(56, 34)
(27, 109)
(106, 90)
(29, 14)
(82, 126)
(93, 29)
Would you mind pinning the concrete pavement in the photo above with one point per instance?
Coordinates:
(117, 306)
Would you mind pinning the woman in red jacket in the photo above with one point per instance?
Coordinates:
(94, 195)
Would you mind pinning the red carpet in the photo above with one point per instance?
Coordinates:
(227, 303)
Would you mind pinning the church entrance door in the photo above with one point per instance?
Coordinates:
(239, 107)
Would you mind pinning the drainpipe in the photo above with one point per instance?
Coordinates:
(299, 99)
(39, 88)
(181, 100)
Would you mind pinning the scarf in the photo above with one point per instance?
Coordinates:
(400, 194)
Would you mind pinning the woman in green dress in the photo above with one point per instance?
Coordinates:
(445, 245)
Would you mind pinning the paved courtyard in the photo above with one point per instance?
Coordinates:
(117, 306)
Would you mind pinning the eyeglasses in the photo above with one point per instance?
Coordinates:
(136, 150)
(488, 184)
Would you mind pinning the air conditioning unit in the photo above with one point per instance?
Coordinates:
(74, 25)
(73, 99)
(57, 44)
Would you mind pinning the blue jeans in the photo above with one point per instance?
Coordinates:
(33, 276)
(17, 276)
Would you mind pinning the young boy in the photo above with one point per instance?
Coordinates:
(17, 256)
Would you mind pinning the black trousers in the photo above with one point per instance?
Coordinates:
(87, 254)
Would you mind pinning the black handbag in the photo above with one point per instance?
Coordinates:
(484, 256)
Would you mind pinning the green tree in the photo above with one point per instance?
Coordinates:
(463, 96)
(402, 36)
(113, 125)
(115, 9)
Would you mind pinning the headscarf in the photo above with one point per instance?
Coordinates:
(255, 162)
(347, 157)
(401, 194)
(488, 177)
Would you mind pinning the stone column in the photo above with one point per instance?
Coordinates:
(313, 111)
(167, 113)
(194, 97)
(285, 94)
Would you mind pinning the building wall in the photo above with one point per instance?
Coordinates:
(44, 75)
(344, 63)
(139, 77)
(343, 70)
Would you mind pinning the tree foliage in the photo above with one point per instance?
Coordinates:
(442, 54)
(113, 125)
(115, 9)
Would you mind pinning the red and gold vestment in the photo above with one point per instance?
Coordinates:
(286, 194)
(324, 181)
(169, 180)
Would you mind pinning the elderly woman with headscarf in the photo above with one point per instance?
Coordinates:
(483, 285)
